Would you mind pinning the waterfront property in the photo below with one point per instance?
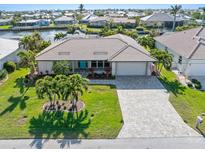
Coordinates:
(4, 22)
(116, 55)
(188, 48)
(37, 22)
(98, 22)
(8, 51)
(64, 20)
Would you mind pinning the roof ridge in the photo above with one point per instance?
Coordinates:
(201, 28)
(194, 50)
(143, 52)
(118, 52)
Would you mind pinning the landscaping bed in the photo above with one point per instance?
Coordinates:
(21, 114)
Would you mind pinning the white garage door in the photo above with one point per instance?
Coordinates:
(197, 70)
(131, 68)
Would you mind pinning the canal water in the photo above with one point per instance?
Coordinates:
(46, 34)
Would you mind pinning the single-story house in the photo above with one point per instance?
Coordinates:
(98, 22)
(87, 18)
(32, 22)
(187, 48)
(8, 51)
(160, 20)
(64, 20)
(5, 22)
(121, 54)
(129, 23)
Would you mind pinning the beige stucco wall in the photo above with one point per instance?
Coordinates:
(44, 66)
(11, 57)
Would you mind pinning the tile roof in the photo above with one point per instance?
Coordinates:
(159, 17)
(96, 49)
(189, 43)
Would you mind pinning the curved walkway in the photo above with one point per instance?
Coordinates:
(146, 109)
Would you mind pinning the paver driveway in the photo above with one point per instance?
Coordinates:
(146, 109)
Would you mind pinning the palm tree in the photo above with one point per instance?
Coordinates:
(27, 59)
(163, 59)
(33, 42)
(174, 10)
(77, 85)
(44, 87)
(120, 29)
(81, 8)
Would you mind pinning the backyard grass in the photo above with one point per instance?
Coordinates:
(21, 114)
(5, 27)
(189, 103)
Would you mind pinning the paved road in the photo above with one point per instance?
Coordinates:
(137, 143)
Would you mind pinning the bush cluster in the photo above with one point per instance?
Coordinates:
(9, 66)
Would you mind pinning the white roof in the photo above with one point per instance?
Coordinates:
(7, 47)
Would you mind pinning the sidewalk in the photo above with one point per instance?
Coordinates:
(137, 143)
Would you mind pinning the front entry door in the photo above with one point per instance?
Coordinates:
(83, 64)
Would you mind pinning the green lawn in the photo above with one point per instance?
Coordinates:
(5, 27)
(189, 103)
(21, 113)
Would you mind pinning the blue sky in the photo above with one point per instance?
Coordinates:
(20, 7)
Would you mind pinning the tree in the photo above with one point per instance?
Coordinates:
(203, 16)
(27, 59)
(44, 87)
(137, 21)
(196, 15)
(77, 85)
(163, 59)
(174, 10)
(81, 8)
(61, 67)
(64, 87)
(147, 41)
(120, 29)
(59, 36)
(9, 66)
(33, 42)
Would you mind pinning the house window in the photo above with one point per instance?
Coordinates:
(107, 64)
(180, 60)
(94, 64)
(100, 64)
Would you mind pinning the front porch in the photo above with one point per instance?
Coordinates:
(92, 69)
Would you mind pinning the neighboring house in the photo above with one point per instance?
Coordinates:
(128, 23)
(134, 14)
(5, 22)
(88, 18)
(187, 48)
(8, 51)
(64, 20)
(98, 22)
(119, 53)
(160, 20)
(38, 22)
